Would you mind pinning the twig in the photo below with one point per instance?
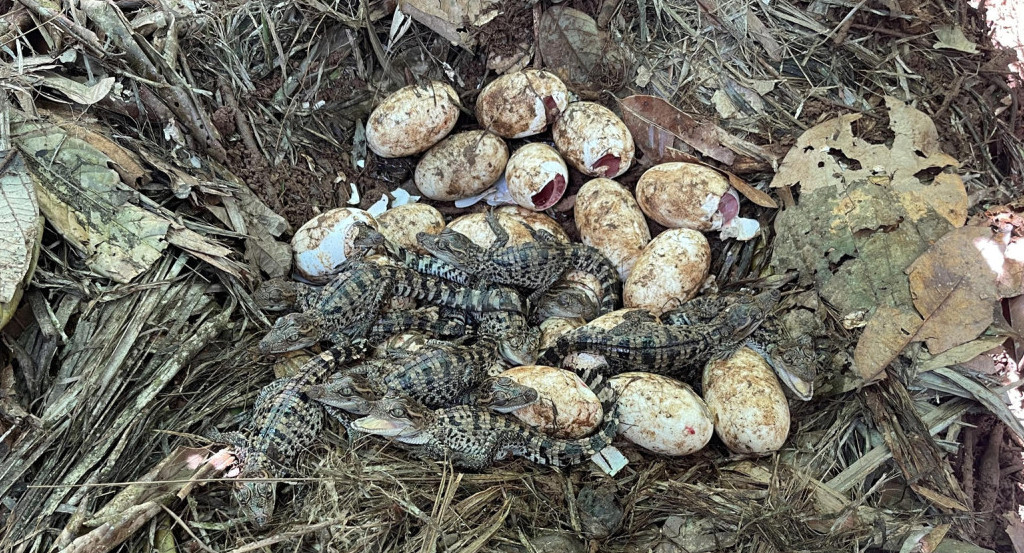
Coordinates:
(85, 36)
(278, 538)
(188, 530)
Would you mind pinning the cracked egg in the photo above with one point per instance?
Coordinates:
(594, 140)
(521, 104)
(536, 176)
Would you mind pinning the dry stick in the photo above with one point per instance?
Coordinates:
(240, 121)
(302, 531)
(188, 530)
(85, 36)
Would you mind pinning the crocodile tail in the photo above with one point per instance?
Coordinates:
(561, 453)
(590, 260)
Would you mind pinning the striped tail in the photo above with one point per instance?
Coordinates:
(560, 453)
(590, 260)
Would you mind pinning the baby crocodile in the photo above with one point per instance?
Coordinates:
(283, 423)
(678, 351)
(534, 265)
(368, 238)
(473, 438)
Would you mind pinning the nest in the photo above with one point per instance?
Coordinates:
(231, 124)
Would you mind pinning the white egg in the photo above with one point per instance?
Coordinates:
(401, 224)
(686, 195)
(594, 140)
(325, 241)
(747, 403)
(610, 220)
(567, 407)
(412, 119)
(462, 165)
(661, 414)
(669, 272)
(553, 327)
(521, 104)
(474, 225)
(536, 176)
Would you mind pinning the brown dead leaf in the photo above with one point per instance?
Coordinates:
(655, 125)
(1015, 529)
(953, 285)
(451, 18)
(884, 337)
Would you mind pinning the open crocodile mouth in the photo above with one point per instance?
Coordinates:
(379, 426)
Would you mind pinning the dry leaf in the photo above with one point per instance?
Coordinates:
(1015, 529)
(78, 92)
(952, 37)
(953, 285)
(655, 125)
(450, 18)
(19, 211)
(573, 48)
(884, 337)
(964, 353)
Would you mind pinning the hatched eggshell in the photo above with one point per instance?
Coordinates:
(325, 241)
(535, 220)
(567, 407)
(401, 224)
(553, 327)
(462, 165)
(661, 414)
(685, 195)
(669, 272)
(412, 119)
(594, 140)
(610, 220)
(522, 103)
(747, 403)
(536, 176)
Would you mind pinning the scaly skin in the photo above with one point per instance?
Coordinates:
(535, 265)
(678, 351)
(368, 238)
(566, 301)
(473, 438)
(283, 423)
(279, 294)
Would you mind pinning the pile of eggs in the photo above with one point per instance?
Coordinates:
(742, 401)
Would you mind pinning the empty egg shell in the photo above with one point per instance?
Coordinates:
(401, 224)
(325, 241)
(567, 407)
(462, 165)
(594, 140)
(536, 176)
(747, 403)
(412, 119)
(610, 220)
(686, 195)
(669, 272)
(661, 414)
(522, 103)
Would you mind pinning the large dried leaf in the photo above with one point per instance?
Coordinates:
(19, 211)
(655, 125)
(884, 337)
(452, 18)
(78, 92)
(573, 48)
(85, 201)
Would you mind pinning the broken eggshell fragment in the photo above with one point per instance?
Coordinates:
(536, 176)
(669, 272)
(462, 165)
(661, 414)
(412, 119)
(325, 241)
(521, 104)
(594, 140)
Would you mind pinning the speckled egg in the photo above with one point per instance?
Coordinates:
(594, 140)
(669, 272)
(567, 407)
(325, 241)
(661, 414)
(401, 224)
(686, 195)
(610, 220)
(536, 176)
(521, 104)
(462, 165)
(553, 327)
(474, 225)
(412, 119)
(747, 403)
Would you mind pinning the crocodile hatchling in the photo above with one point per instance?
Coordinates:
(641, 344)
(792, 358)
(474, 438)
(347, 306)
(368, 238)
(283, 423)
(534, 265)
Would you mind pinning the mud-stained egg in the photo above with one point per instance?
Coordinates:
(594, 140)
(554, 327)
(747, 403)
(687, 195)
(325, 241)
(567, 407)
(536, 176)
(412, 119)
(661, 414)
(669, 272)
(474, 225)
(401, 224)
(462, 165)
(521, 104)
(610, 220)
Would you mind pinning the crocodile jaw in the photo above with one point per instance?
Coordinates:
(382, 427)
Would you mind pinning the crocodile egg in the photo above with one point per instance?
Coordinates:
(669, 272)
(521, 104)
(401, 224)
(686, 195)
(661, 414)
(567, 407)
(553, 327)
(747, 403)
(412, 119)
(594, 140)
(462, 165)
(536, 176)
(474, 225)
(610, 220)
(535, 220)
(325, 241)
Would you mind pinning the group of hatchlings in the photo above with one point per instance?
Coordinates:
(742, 398)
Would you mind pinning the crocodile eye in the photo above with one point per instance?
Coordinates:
(346, 391)
(242, 493)
(397, 412)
